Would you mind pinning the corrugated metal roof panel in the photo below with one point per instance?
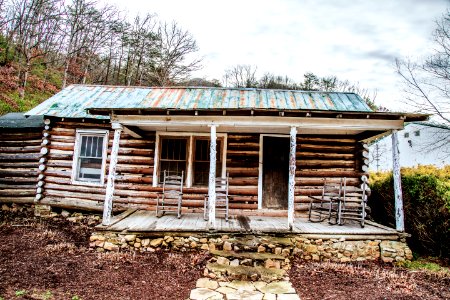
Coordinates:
(73, 101)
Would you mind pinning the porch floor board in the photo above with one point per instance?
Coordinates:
(146, 221)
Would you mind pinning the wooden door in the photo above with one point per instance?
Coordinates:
(275, 172)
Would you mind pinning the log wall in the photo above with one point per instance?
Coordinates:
(321, 158)
(19, 161)
(134, 170)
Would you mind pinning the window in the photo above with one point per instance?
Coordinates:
(201, 160)
(188, 153)
(406, 135)
(90, 156)
(417, 133)
(173, 156)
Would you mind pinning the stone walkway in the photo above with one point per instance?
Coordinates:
(208, 289)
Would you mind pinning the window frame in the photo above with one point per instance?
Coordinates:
(190, 136)
(76, 155)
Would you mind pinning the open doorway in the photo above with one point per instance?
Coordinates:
(275, 172)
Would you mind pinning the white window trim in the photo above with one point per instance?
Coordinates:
(190, 155)
(76, 154)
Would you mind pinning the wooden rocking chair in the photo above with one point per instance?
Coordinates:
(221, 185)
(169, 200)
(327, 206)
(353, 204)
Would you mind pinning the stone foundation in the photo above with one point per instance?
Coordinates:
(334, 250)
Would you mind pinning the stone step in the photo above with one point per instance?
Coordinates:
(250, 255)
(244, 272)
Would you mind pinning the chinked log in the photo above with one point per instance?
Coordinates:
(134, 169)
(18, 180)
(20, 157)
(134, 151)
(58, 173)
(18, 186)
(68, 194)
(84, 125)
(250, 191)
(134, 179)
(324, 163)
(244, 172)
(326, 148)
(245, 145)
(340, 156)
(26, 149)
(243, 181)
(313, 140)
(19, 200)
(327, 173)
(242, 153)
(302, 181)
(17, 193)
(59, 163)
(134, 143)
(53, 156)
(18, 173)
(144, 160)
(62, 132)
(61, 146)
(21, 143)
(31, 164)
(58, 152)
(20, 136)
(63, 139)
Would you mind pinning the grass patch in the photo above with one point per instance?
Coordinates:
(424, 264)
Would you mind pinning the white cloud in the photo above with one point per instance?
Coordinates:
(356, 40)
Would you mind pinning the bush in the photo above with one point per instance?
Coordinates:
(426, 200)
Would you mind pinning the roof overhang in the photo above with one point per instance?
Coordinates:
(406, 117)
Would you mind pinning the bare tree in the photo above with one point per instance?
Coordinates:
(427, 83)
(241, 76)
(174, 60)
(34, 25)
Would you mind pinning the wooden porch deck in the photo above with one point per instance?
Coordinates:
(142, 221)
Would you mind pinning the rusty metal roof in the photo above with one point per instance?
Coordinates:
(73, 101)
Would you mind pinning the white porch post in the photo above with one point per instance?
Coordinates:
(212, 180)
(107, 206)
(399, 218)
(292, 162)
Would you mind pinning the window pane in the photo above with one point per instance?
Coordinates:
(173, 157)
(90, 169)
(201, 161)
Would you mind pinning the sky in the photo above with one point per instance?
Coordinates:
(355, 40)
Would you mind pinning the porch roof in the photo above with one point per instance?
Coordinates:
(73, 101)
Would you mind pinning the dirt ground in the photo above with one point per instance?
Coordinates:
(50, 259)
(366, 281)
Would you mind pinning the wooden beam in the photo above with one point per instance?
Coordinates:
(292, 164)
(133, 131)
(399, 217)
(212, 180)
(108, 205)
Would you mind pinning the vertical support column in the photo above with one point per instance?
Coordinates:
(107, 206)
(212, 180)
(291, 190)
(399, 218)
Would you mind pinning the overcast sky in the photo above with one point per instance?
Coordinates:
(356, 40)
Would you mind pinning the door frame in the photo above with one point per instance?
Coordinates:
(261, 164)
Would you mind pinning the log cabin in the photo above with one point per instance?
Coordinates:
(104, 148)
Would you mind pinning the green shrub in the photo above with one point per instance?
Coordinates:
(426, 200)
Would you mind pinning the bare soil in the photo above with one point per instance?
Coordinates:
(50, 259)
(314, 280)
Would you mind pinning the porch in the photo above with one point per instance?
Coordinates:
(146, 223)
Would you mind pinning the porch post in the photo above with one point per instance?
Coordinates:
(399, 218)
(212, 180)
(291, 191)
(107, 206)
